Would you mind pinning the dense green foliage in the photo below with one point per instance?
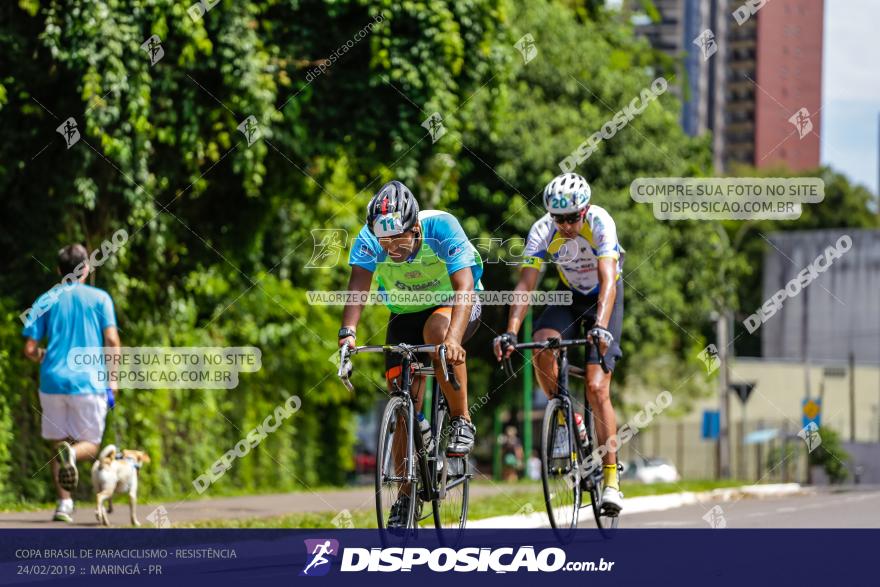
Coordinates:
(220, 232)
(831, 456)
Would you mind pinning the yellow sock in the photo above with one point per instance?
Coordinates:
(609, 475)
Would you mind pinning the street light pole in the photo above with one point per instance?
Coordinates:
(528, 386)
(724, 325)
(723, 446)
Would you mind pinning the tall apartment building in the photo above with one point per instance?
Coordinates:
(676, 25)
(759, 90)
(790, 79)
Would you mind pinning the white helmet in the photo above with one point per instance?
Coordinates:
(566, 194)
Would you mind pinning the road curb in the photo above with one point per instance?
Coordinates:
(654, 503)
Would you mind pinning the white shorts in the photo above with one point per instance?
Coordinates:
(77, 416)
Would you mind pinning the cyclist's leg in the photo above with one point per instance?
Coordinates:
(434, 332)
(598, 386)
(546, 370)
(554, 322)
(462, 432)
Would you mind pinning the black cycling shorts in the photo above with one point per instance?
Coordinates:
(409, 329)
(582, 313)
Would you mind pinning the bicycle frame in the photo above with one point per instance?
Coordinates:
(584, 451)
(588, 476)
(427, 486)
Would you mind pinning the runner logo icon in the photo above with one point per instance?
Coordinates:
(320, 553)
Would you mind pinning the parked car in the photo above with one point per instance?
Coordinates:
(650, 470)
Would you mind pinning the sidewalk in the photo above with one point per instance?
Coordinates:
(248, 506)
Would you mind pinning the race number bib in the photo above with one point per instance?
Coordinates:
(388, 225)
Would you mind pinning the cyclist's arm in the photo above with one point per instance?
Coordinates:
(463, 284)
(607, 290)
(359, 281)
(528, 280)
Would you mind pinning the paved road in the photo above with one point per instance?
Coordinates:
(852, 508)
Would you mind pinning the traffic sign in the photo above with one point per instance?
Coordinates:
(711, 424)
(811, 412)
(743, 390)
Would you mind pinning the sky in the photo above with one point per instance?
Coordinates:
(851, 90)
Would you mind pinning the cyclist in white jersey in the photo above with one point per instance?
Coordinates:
(581, 240)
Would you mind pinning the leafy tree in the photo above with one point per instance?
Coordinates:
(220, 231)
(583, 73)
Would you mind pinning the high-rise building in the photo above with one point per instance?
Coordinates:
(672, 29)
(789, 83)
(757, 84)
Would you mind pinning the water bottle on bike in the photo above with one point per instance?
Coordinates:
(581, 428)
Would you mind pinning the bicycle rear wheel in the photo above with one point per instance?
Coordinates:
(453, 474)
(392, 481)
(560, 469)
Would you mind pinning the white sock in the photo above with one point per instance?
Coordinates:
(66, 504)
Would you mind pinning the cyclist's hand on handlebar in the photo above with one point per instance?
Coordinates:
(346, 336)
(455, 353)
(602, 337)
(503, 345)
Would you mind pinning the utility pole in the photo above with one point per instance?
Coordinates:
(805, 343)
(496, 452)
(723, 446)
(528, 388)
(852, 397)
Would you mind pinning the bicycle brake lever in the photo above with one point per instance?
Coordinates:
(448, 375)
(507, 367)
(602, 364)
(345, 367)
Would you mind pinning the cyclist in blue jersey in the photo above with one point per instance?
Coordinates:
(424, 252)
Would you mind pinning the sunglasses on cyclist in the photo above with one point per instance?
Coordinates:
(567, 218)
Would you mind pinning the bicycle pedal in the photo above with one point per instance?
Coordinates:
(610, 510)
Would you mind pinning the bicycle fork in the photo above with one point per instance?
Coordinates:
(580, 453)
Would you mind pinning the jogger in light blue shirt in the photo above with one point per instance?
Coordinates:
(73, 409)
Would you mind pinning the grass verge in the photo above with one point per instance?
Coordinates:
(517, 498)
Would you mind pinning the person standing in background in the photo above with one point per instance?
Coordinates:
(512, 451)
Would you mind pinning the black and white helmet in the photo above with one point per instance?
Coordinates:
(393, 210)
(566, 194)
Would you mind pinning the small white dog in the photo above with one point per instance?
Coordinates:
(116, 475)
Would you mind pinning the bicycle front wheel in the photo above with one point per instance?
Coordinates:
(452, 475)
(560, 468)
(396, 488)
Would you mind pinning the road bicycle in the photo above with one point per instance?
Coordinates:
(567, 471)
(425, 472)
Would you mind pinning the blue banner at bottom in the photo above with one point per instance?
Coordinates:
(512, 557)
